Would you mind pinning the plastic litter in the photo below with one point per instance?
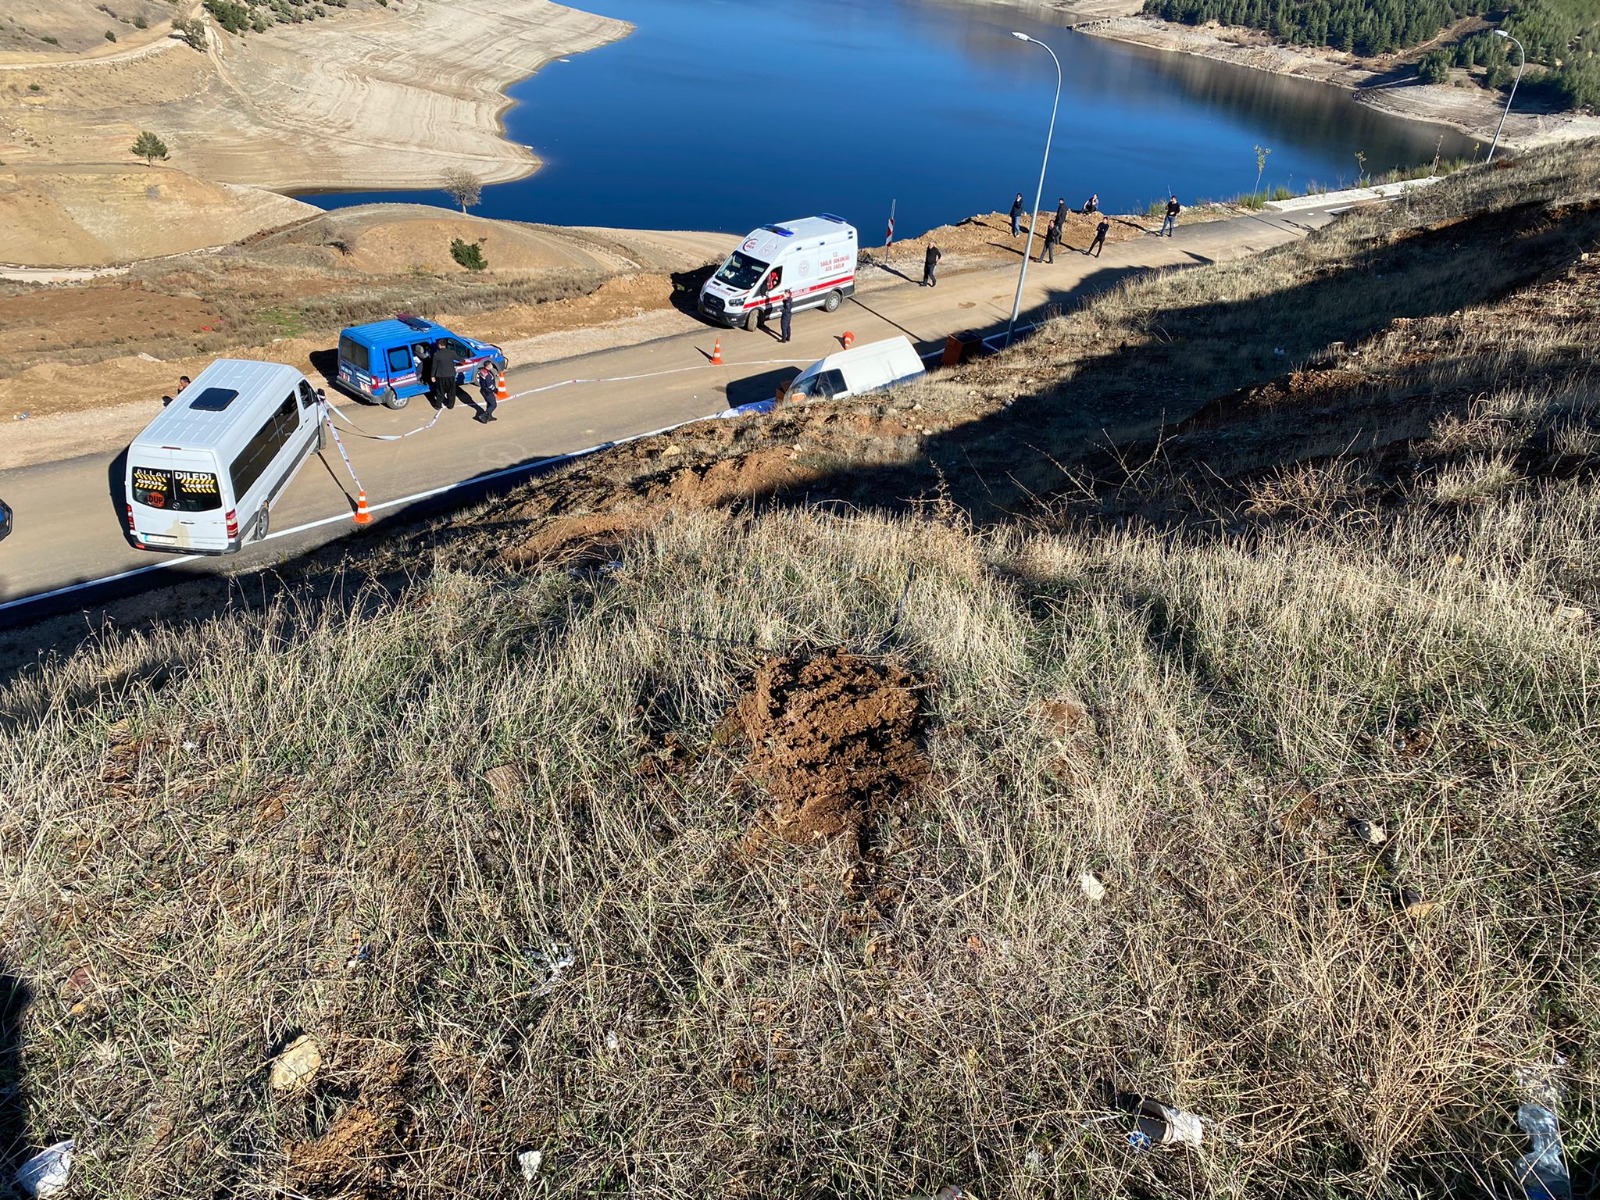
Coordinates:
(46, 1172)
(555, 960)
(1092, 887)
(299, 1061)
(1542, 1171)
(1159, 1124)
(530, 1161)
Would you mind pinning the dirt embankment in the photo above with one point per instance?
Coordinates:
(376, 97)
(373, 97)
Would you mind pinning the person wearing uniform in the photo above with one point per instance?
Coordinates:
(488, 387)
(443, 369)
(930, 266)
(786, 316)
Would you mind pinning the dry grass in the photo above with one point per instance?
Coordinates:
(377, 809)
(212, 822)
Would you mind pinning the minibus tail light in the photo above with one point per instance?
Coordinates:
(233, 523)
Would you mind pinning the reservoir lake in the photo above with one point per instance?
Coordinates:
(727, 114)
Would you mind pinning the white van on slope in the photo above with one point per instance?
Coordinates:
(228, 444)
(813, 258)
(859, 369)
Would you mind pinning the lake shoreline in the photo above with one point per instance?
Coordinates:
(1472, 111)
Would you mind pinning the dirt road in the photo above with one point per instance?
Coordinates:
(69, 529)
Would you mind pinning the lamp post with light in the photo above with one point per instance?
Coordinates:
(1522, 61)
(1038, 196)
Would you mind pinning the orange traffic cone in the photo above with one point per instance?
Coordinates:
(716, 353)
(848, 339)
(501, 391)
(363, 517)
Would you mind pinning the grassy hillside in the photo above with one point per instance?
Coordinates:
(713, 818)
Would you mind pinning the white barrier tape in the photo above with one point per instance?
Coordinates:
(334, 429)
(385, 437)
(762, 362)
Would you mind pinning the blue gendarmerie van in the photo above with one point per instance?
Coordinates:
(378, 363)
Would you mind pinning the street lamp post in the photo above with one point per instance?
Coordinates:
(1522, 61)
(1038, 196)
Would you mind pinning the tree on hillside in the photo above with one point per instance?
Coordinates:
(463, 187)
(191, 32)
(149, 147)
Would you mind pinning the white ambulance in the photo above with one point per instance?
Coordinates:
(813, 258)
(203, 475)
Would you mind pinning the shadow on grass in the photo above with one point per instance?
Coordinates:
(15, 996)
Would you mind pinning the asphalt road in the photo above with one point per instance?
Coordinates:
(69, 531)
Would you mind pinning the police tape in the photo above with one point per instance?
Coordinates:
(337, 441)
(383, 437)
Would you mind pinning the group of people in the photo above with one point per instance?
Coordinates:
(1056, 230)
(437, 367)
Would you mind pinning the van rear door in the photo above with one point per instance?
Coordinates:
(177, 500)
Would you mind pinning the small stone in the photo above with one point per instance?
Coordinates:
(1370, 832)
(670, 451)
(299, 1061)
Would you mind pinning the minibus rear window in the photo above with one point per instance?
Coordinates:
(176, 491)
(354, 353)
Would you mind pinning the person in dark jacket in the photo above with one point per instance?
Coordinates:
(488, 388)
(442, 367)
(1016, 216)
(1092, 204)
(1061, 215)
(786, 316)
(1052, 235)
(1171, 223)
(930, 266)
(1099, 237)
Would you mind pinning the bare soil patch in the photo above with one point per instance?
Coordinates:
(833, 740)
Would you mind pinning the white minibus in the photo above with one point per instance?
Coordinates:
(847, 373)
(202, 477)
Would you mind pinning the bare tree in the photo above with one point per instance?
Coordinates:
(463, 187)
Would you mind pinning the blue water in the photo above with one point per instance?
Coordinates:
(725, 114)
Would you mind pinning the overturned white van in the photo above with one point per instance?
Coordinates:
(228, 444)
(813, 259)
(859, 369)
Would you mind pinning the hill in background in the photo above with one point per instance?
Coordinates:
(1195, 702)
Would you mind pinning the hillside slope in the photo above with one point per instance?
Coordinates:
(1195, 702)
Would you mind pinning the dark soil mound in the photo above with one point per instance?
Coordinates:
(834, 739)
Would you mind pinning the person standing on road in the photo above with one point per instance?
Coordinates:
(1171, 223)
(488, 388)
(1099, 237)
(1052, 235)
(443, 369)
(930, 266)
(1016, 216)
(786, 316)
